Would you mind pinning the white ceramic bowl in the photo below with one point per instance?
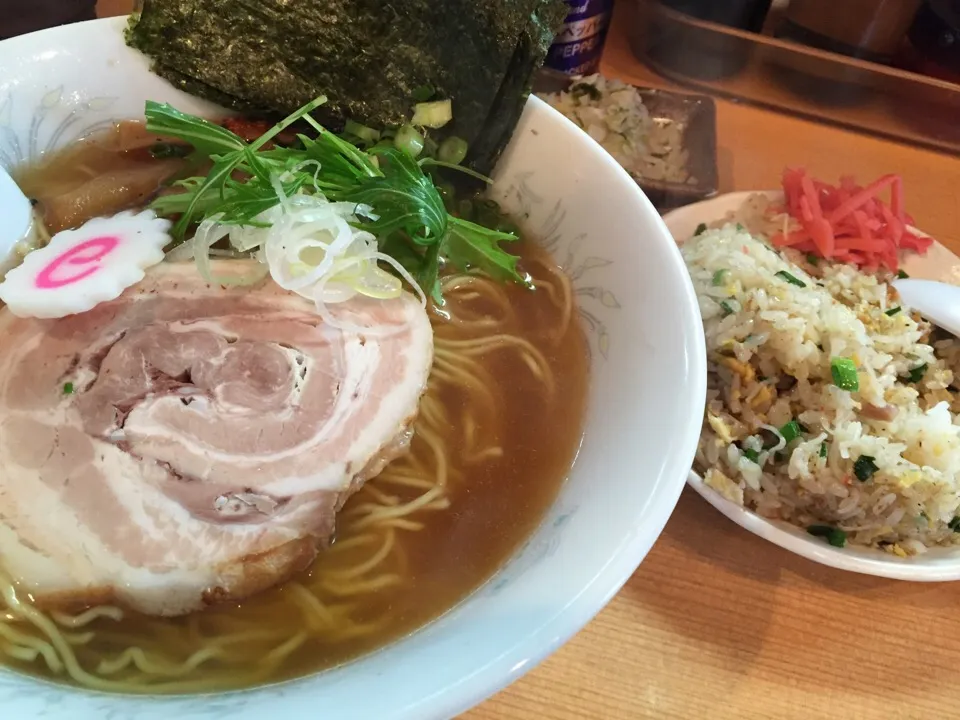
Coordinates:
(645, 405)
(938, 564)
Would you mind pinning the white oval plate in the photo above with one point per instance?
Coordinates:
(937, 564)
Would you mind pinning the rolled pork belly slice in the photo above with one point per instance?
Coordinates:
(187, 444)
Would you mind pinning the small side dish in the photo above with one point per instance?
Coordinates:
(830, 405)
(614, 114)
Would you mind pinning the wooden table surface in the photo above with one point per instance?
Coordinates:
(717, 623)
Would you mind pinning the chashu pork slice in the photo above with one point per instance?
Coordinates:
(187, 444)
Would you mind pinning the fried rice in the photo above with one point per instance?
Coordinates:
(829, 405)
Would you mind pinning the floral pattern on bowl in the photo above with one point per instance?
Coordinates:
(570, 253)
(31, 127)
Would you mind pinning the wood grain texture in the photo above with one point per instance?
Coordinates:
(718, 624)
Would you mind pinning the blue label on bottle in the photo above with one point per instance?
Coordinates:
(580, 9)
(578, 45)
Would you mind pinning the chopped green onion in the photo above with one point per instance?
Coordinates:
(954, 524)
(423, 93)
(409, 140)
(834, 536)
(844, 373)
(740, 227)
(728, 307)
(434, 114)
(901, 274)
(751, 455)
(813, 259)
(783, 274)
(452, 150)
(719, 277)
(361, 132)
(791, 431)
(865, 467)
(823, 450)
(916, 375)
(893, 311)
(68, 388)
(701, 229)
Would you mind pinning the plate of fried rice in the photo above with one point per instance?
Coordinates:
(831, 426)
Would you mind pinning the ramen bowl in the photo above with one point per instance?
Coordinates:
(644, 405)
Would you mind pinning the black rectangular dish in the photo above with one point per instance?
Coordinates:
(696, 117)
(696, 114)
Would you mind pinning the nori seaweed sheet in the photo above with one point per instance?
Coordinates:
(367, 56)
(529, 54)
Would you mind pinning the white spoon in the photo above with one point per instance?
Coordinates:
(938, 302)
(16, 220)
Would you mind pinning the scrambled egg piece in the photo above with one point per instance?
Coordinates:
(763, 399)
(720, 428)
(745, 371)
(724, 485)
(909, 478)
(898, 551)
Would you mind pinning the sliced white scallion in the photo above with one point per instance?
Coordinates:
(361, 132)
(409, 140)
(323, 293)
(209, 233)
(309, 246)
(453, 150)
